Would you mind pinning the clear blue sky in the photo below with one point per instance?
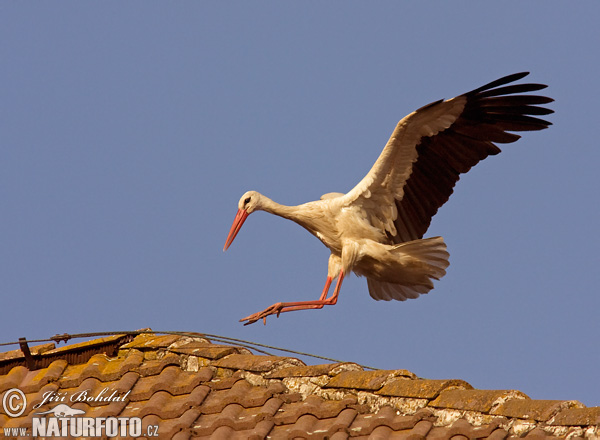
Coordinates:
(129, 130)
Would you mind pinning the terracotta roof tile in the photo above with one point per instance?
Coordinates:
(36, 397)
(241, 393)
(191, 388)
(541, 410)
(260, 431)
(313, 370)
(112, 409)
(366, 380)
(170, 379)
(34, 380)
(578, 417)
(170, 428)
(291, 412)
(364, 424)
(224, 383)
(260, 364)
(420, 388)
(236, 417)
(498, 434)
(150, 341)
(155, 366)
(474, 400)
(14, 378)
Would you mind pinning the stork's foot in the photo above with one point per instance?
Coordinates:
(281, 307)
(275, 309)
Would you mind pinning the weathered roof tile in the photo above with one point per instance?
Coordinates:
(155, 366)
(474, 400)
(206, 350)
(34, 380)
(150, 341)
(254, 363)
(237, 417)
(171, 379)
(313, 370)
(365, 380)
(578, 417)
(291, 412)
(533, 409)
(420, 388)
(14, 377)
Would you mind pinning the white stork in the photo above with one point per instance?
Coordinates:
(376, 229)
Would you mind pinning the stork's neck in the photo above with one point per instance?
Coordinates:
(289, 212)
(303, 214)
(312, 216)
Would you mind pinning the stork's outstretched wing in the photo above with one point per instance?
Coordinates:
(419, 166)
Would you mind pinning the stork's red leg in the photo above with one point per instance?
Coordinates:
(278, 308)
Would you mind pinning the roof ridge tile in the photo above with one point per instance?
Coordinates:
(366, 380)
(207, 350)
(420, 388)
(539, 410)
(256, 363)
(475, 400)
(312, 370)
(150, 341)
(577, 417)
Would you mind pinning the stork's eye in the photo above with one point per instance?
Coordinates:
(247, 201)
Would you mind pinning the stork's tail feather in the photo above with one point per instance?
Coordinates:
(430, 251)
(430, 262)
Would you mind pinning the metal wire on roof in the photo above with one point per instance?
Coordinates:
(255, 346)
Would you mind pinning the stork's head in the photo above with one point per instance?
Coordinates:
(250, 202)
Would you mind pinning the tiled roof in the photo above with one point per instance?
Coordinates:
(191, 388)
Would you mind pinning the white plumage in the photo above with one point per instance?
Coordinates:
(376, 229)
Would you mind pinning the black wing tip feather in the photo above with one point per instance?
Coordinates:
(499, 82)
(503, 103)
(515, 88)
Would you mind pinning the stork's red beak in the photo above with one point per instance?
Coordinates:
(239, 220)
